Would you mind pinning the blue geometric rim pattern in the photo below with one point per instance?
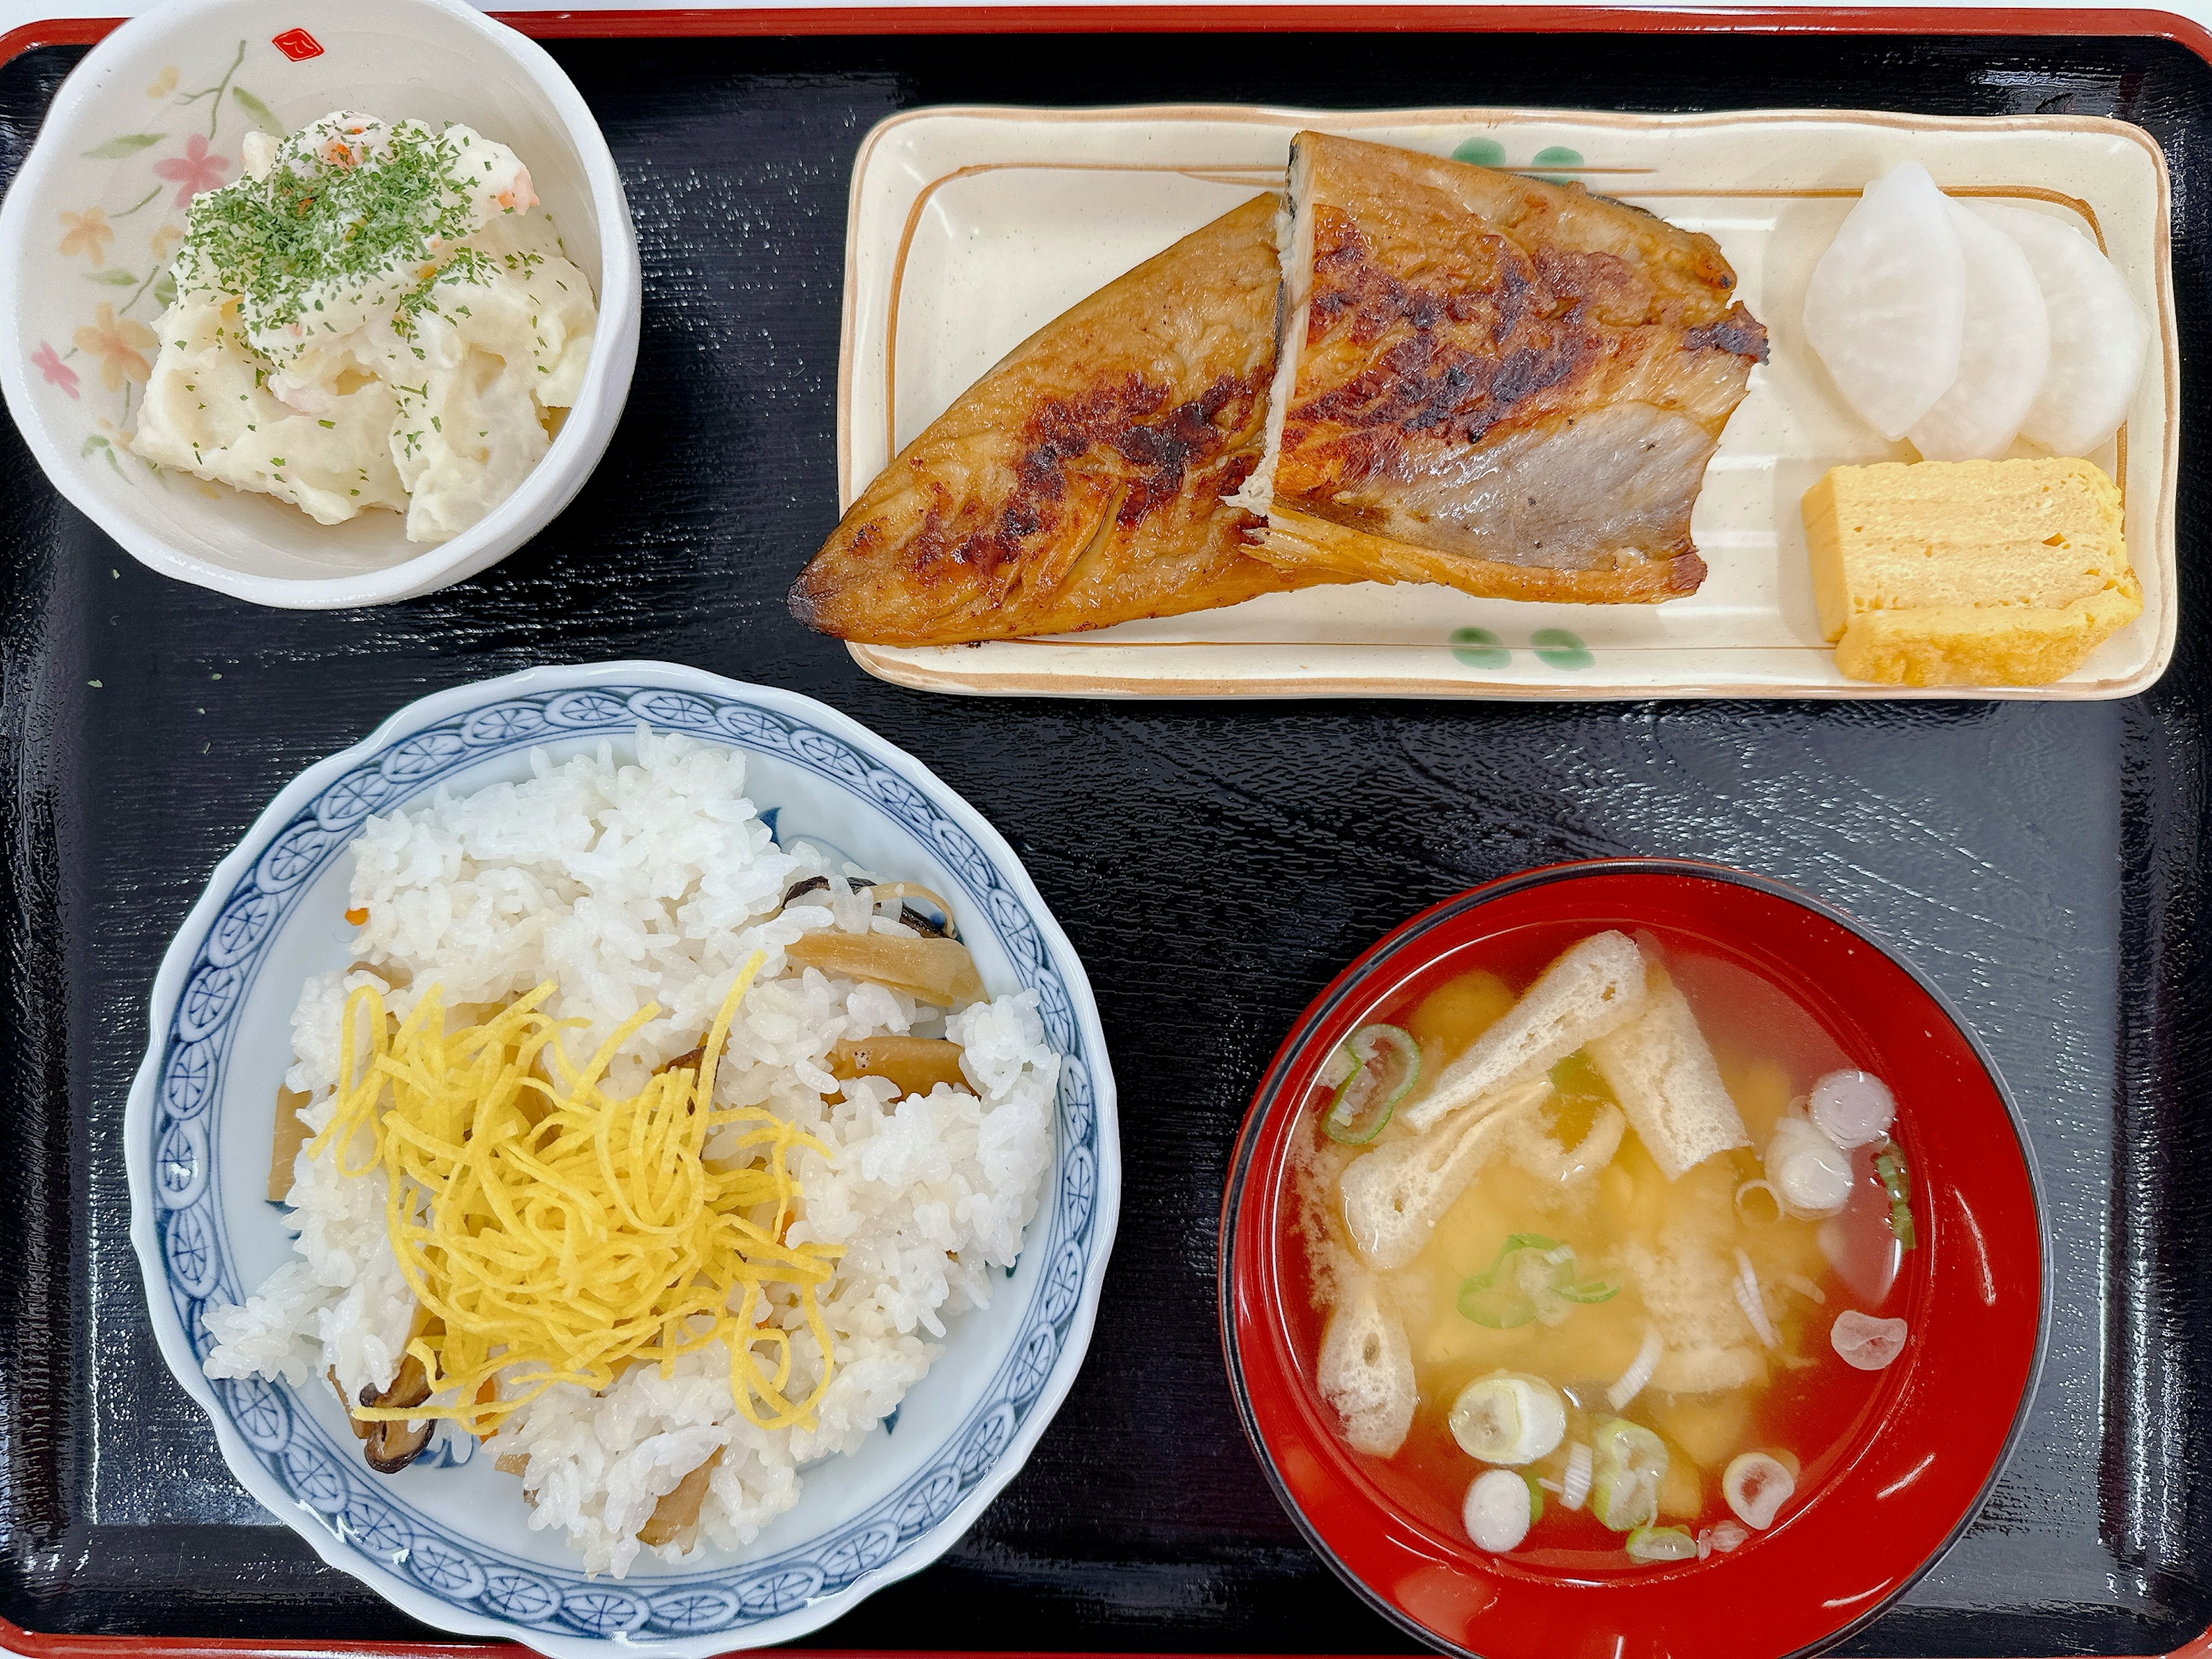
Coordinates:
(338, 1488)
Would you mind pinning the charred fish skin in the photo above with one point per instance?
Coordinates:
(1083, 482)
(1502, 384)
(992, 542)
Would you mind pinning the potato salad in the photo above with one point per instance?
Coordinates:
(374, 315)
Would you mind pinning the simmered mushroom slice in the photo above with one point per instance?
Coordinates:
(675, 1518)
(816, 884)
(919, 922)
(360, 1429)
(394, 1446)
(285, 1146)
(390, 1445)
(914, 1064)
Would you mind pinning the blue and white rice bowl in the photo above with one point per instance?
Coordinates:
(447, 1538)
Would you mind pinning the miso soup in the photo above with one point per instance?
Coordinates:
(1608, 1247)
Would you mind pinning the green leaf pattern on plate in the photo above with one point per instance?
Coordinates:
(1478, 648)
(263, 115)
(127, 143)
(1558, 156)
(1558, 649)
(1555, 647)
(1484, 152)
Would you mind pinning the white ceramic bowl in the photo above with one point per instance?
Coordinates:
(446, 1539)
(155, 112)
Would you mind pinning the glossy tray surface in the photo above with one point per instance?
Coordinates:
(1214, 864)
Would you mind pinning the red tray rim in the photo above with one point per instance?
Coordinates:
(1476, 16)
(1212, 16)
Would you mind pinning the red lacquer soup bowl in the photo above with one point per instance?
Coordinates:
(1910, 1467)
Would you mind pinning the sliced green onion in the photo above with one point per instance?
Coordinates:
(1507, 1296)
(1631, 1382)
(1624, 1505)
(1574, 1487)
(1489, 1304)
(1900, 1223)
(1528, 1242)
(1897, 1182)
(1385, 1062)
(1662, 1544)
(1629, 1462)
(1507, 1305)
(1757, 1485)
(1594, 1290)
(1508, 1418)
(1499, 1508)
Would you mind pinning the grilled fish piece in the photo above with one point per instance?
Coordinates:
(1082, 482)
(1509, 387)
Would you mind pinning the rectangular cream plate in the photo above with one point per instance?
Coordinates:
(970, 229)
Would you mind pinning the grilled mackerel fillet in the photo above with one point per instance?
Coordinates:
(1502, 385)
(1083, 481)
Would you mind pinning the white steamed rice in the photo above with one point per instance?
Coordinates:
(652, 882)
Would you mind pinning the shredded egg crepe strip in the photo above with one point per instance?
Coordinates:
(555, 1234)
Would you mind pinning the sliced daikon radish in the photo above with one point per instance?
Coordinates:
(1886, 307)
(2097, 336)
(2006, 350)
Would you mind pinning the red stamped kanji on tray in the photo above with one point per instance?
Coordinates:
(297, 45)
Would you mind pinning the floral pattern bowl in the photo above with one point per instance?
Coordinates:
(447, 1539)
(152, 117)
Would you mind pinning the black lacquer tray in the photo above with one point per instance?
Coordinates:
(1215, 864)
